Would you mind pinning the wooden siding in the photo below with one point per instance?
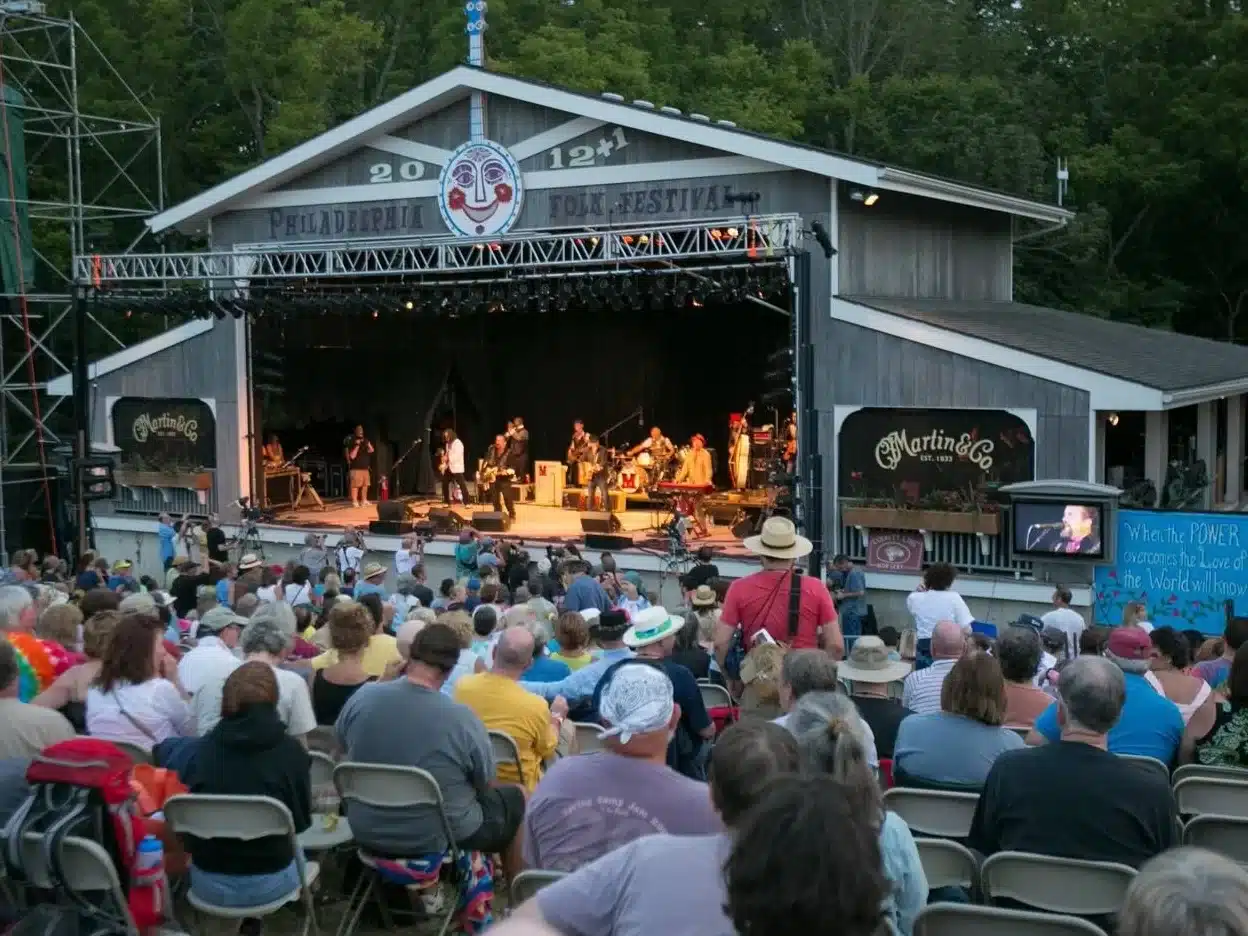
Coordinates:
(202, 367)
(923, 249)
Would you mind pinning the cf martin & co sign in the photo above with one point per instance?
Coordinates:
(933, 447)
(165, 434)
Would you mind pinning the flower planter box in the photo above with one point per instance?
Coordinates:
(934, 521)
(191, 481)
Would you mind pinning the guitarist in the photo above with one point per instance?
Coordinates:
(451, 467)
(577, 468)
(595, 462)
(497, 475)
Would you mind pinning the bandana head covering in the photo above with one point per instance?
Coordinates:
(637, 700)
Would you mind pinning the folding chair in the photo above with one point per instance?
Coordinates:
(714, 696)
(935, 813)
(86, 867)
(383, 786)
(951, 919)
(1226, 835)
(243, 818)
(1057, 885)
(587, 737)
(328, 829)
(135, 753)
(947, 864)
(323, 738)
(1210, 773)
(1151, 763)
(1196, 796)
(506, 751)
(528, 883)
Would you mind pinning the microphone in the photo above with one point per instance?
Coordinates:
(641, 417)
(1046, 526)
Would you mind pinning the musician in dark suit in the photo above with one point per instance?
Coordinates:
(596, 458)
(576, 452)
(1078, 533)
(498, 473)
(518, 448)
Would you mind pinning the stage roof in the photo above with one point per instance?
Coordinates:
(642, 116)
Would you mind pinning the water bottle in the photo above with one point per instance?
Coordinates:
(149, 887)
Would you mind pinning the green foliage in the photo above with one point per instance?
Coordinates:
(1147, 101)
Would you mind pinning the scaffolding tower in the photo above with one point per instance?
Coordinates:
(91, 181)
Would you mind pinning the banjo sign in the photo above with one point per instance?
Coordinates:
(164, 435)
(884, 452)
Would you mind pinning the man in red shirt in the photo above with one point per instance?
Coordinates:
(761, 601)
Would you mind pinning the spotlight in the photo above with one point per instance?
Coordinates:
(733, 232)
(867, 198)
(409, 305)
(1112, 419)
(871, 199)
(375, 313)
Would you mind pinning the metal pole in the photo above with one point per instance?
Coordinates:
(82, 420)
(807, 510)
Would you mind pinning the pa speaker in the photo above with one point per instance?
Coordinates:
(391, 511)
(445, 520)
(391, 527)
(607, 542)
(491, 521)
(600, 522)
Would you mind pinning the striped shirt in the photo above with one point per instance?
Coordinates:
(921, 691)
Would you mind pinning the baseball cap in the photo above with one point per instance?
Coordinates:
(637, 698)
(218, 619)
(1130, 643)
(486, 560)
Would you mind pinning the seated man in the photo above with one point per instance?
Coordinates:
(437, 735)
(497, 699)
(1073, 798)
(591, 804)
(806, 671)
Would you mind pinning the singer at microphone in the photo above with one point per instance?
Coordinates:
(1077, 532)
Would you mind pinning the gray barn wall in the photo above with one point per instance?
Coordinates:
(923, 249)
(202, 367)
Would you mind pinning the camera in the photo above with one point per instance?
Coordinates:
(252, 515)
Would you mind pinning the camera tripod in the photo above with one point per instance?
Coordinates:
(676, 561)
(248, 541)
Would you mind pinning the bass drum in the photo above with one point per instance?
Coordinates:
(632, 478)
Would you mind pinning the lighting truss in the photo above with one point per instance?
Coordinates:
(760, 237)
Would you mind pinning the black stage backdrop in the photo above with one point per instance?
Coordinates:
(407, 378)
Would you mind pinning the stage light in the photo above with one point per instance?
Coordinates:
(375, 313)
(733, 232)
(643, 239)
(409, 305)
(871, 199)
(593, 241)
(717, 234)
(627, 239)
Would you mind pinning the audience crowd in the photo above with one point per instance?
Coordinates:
(574, 724)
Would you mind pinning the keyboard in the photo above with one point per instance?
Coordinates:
(686, 488)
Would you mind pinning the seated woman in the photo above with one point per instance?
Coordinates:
(829, 737)
(350, 629)
(572, 637)
(1224, 745)
(68, 694)
(249, 753)
(135, 698)
(690, 653)
(958, 745)
(1168, 675)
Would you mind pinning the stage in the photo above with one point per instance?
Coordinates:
(535, 523)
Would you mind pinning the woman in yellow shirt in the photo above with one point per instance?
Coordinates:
(572, 633)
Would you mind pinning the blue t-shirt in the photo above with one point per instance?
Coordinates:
(368, 588)
(466, 560)
(223, 592)
(584, 593)
(947, 748)
(544, 669)
(166, 534)
(1150, 725)
(855, 581)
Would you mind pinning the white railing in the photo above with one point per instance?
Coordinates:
(964, 551)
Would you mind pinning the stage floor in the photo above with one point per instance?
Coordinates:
(534, 523)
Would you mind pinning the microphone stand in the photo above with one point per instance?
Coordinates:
(602, 436)
(395, 467)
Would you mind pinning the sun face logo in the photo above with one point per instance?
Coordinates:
(481, 191)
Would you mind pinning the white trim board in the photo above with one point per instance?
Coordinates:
(460, 82)
(1105, 393)
(993, 588)
(555, 136)
(411, 149)
(710, 167)
(64, 386)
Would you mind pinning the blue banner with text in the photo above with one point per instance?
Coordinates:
(1182, 566)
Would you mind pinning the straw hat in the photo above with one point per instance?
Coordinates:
(248, 562)
(704, 597)
(779, 540)
(868, 662)
(374, 570)
(651, 626)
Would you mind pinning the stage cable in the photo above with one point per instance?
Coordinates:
(21, 298)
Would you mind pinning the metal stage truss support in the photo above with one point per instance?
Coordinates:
(91, 179)
(763, 237)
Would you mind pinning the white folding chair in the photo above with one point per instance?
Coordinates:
(1056, 885)
(328, 829)
(1210, 773)
(951, 919)
(528, 883)
(506, 751)
(714, 696)
(245, 819)
(587, 737)
(1226, 835)
(323, 738)
(1151, 763)
(1196, 796)
(938, 813)
(947, 863)
(85, 867)
(383, 786)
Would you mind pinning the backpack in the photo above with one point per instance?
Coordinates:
(81, 787)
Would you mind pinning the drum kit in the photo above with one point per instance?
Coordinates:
(641, 472)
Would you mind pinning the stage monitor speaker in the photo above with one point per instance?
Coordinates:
(445, 520)
(608, 542)
(724, 514)
(749, 524)
(491, 521)
(600, 522)
(391, 511)
(391, 527)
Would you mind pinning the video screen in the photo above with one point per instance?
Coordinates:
(1051, 528)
